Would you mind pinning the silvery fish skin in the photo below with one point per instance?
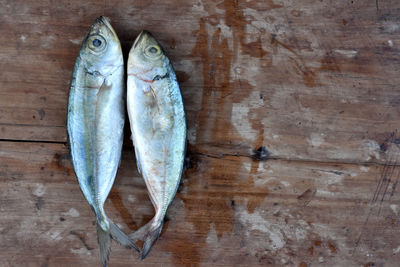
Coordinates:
(158, 126)
(95, 124)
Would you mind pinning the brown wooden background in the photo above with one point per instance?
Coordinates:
(316, 82)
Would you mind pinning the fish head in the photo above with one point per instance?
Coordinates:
(101, 49)
(147, 60)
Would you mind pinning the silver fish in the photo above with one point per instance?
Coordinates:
(158, 127)
(95, 124)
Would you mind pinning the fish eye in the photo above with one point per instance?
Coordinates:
(96, 43)
(153, 51)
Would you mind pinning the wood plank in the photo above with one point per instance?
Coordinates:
(308, 80)
(293, 118)
(229, 211)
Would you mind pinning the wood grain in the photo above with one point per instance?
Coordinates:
(310, 81)
(293, 143)
(231, 210)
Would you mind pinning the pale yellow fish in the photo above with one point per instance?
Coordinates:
(158, 126)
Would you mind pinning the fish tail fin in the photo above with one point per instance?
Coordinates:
(141, 232)
(104, 240)
(121, 237)
(151, 236)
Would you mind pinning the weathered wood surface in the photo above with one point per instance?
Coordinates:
(311, 80)
(315, 82)
(228, 211)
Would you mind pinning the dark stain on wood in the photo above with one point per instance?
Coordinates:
(311, 250)
(307, 73)
(41, 113)
(261, 153)
(332, 248)
(329, 63)
(82, 238)
(61, 161)
(39, 203)
(182, 76)
(255, 49)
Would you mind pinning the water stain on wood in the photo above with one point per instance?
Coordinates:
(190, 256)
(329, 63)
(254, 49)
(330, 68)
(214, 207)
(237, 21)
(62, 163)
(308, 74)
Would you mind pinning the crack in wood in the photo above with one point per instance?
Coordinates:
(364, 163)
(250, 156)
(33, 141)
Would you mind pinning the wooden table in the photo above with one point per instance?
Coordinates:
(293, 113)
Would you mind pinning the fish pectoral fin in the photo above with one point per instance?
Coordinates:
(147, 89)
(106, 85)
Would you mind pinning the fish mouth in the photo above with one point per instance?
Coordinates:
(104, 21)
(140, 37)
